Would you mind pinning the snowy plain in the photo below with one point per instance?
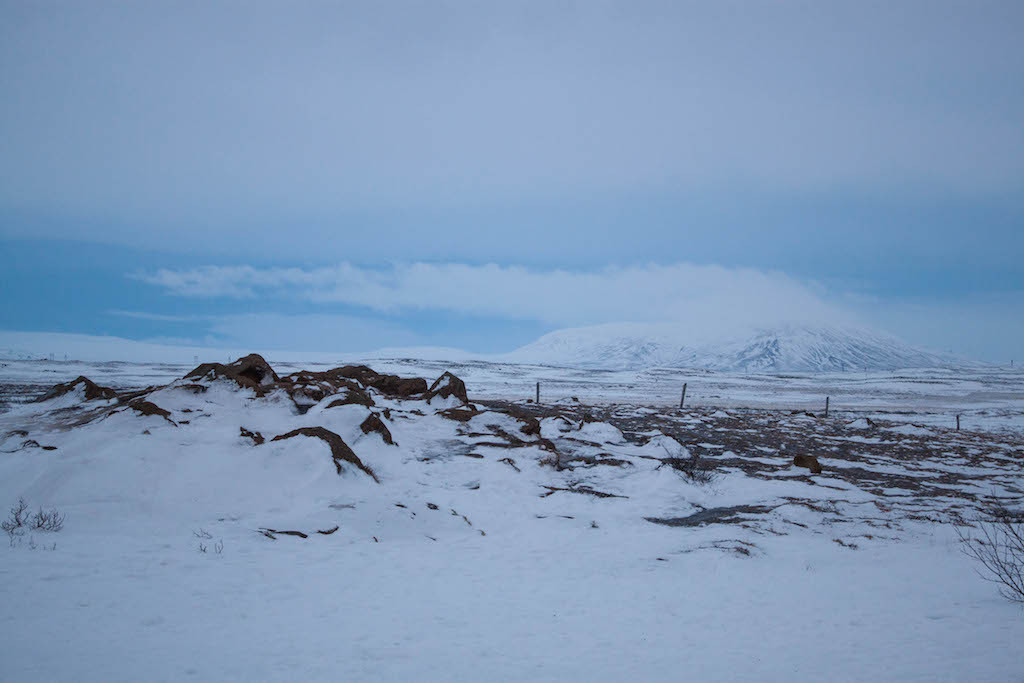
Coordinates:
(460, 565)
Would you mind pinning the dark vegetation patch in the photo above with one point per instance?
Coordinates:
(586, 490)
(722, 515)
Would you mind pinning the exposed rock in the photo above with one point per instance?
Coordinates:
(392, 385)
(146, 408)
(581, 489)
(92, 391)
(256, 437)
(269, 533)
(374, 424)
(316, 385)
(251, 372)
(448, 385)
(352, 397)
(531, 425)
(723, 515)
(459, 414)
(340, 450)
(389, 385)
(808, 461)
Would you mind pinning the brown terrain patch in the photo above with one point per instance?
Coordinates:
(373, 423)
(340, 450)
(93, 391)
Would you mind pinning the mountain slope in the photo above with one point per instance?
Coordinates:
(784, 348)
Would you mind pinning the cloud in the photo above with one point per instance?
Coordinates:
(708, 295)
(156, 317)
(322, 106)
(309, 332)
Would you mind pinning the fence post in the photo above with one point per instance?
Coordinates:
(682, 399)
(958, 423)
(826, 406)
(538, 392)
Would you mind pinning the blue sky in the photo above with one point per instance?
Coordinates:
(357, 175)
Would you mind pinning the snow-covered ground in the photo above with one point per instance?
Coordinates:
(490, 551)
(985, 397)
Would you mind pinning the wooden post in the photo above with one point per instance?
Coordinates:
(538, 392)
(958, 423)
(682, 399)
(826, 406)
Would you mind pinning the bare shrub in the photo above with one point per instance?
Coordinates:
(695, 469)
(47, 520)
(996, 541)
(14, 525)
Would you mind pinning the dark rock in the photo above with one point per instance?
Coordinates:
(389, 385)
(723, 515)
(581, 489)
(531, 426)
(392, 385)
(93, 391)
(448, 385)
(256, 437)
(373, 424)
(340, 450)
(352, 397)
(145, 408)
(459, 414)
(808, 461)
(251, 372)
(270, 532)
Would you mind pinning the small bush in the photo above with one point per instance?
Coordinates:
(695, 469)
(20, 520)
(996, 541)
(14, 525)
(47, 520)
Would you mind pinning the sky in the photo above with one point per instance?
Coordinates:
(350, 176)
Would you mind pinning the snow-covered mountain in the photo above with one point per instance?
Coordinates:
(784, 348)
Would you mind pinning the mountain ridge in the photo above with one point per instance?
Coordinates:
(787, 347)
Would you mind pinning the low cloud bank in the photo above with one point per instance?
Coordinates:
(710, 296)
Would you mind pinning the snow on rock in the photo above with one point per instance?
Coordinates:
(82, 389)
(446, 386)
(599, 431)
(249, 372)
